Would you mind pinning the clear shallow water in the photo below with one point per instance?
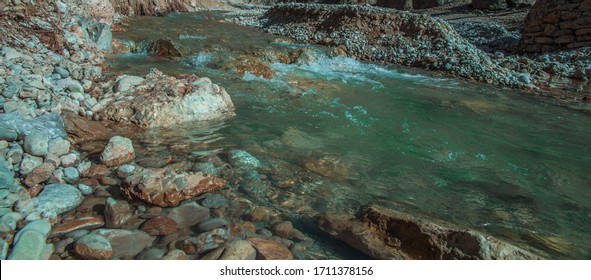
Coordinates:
(334, 134)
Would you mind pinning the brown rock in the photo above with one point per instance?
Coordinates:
(93, 247)
(165, 187)
(35, 190)
(386, 234)
(39, 174)
(118, 151)
(96, 171)
(253, 65)
(81, 223)
(176, 255)
(259, 214)
(238, 250)
(108, 181)
(270, 250)
(283, 229)
(159, 226)
(117, 213)
(81, 130)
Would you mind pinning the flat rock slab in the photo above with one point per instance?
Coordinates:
(82, 223)
(59, 198)
(126, 244)
(387, 234)
(270, 250)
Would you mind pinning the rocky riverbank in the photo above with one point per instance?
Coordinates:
(71, 184)
(474, 50)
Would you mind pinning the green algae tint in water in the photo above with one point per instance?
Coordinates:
(482, 157)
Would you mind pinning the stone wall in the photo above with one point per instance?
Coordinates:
(556, 25)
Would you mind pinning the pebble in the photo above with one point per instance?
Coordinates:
(118, 151)
(85, 189)
(188, 214)
(212, 224)
(93, 247)
(37, 144)
(30, 246)
(59, 147)
(40, 174)
(69, 160)
(29, 163)
(238, 250)
(125, 170)
(117, 213)
(71, 175)
(59, 198)
(270, 250)
(283, 229)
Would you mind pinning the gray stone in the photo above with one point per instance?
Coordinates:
(41, 226)
(124, 83)
(11, 91)
(59, 198)
(7, 134)
(188, 214)
(25, 206)
(3, 193)
(29, 163)
(37, 144)
(59, 147)
(125, 170)
(212, 224)
(11, 219)
(85, 189)
(215, 201)
(93, 247)
(64, 73)
(117, 213)
(77, 233)
(239, 250)
(242, 159)
(151, 253)
(126, 243)
(205, 168)
(30, 246)
(3, 249)
(15, 153)
(71, 175)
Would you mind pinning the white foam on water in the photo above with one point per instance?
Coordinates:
(191, 37)
(200, 60)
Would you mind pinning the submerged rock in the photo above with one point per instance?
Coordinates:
(93, 247)
(270, 250)
(239, 250)
(126, 244)
(59, 198)
(387, 234)
(165, 187)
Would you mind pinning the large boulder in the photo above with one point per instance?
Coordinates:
(164, 187)
(386, 234)
(163, 101)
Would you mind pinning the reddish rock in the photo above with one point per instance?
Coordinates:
(159, 226)
(259, 214)
(81, 223)
(108, 181)
(118, 151)
(117, 213)
(270, 250)
(165, 187)
(283, 229)
(93, 247)
(35, 190)
(96, 171)
(81, 130)
(39, 174)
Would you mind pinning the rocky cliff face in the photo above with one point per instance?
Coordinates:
(556, 25)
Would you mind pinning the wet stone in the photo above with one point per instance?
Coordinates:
(211, 224)
(270, 250)
(188, 214)
(85, 189)
(283, 229)
(93, 247)
(215, 201)
(30, 246)
(239, 250)
(59, 198)
(118, 151)
(205, 168)
(7, 134)
(125, 170)
(83, 223)
(243, 160)
(151, 253)
(117, 213)
(159, 226)
(126, 244)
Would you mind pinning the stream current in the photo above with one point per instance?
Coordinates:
(333, 134)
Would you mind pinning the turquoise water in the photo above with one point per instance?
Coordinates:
(334, 134)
